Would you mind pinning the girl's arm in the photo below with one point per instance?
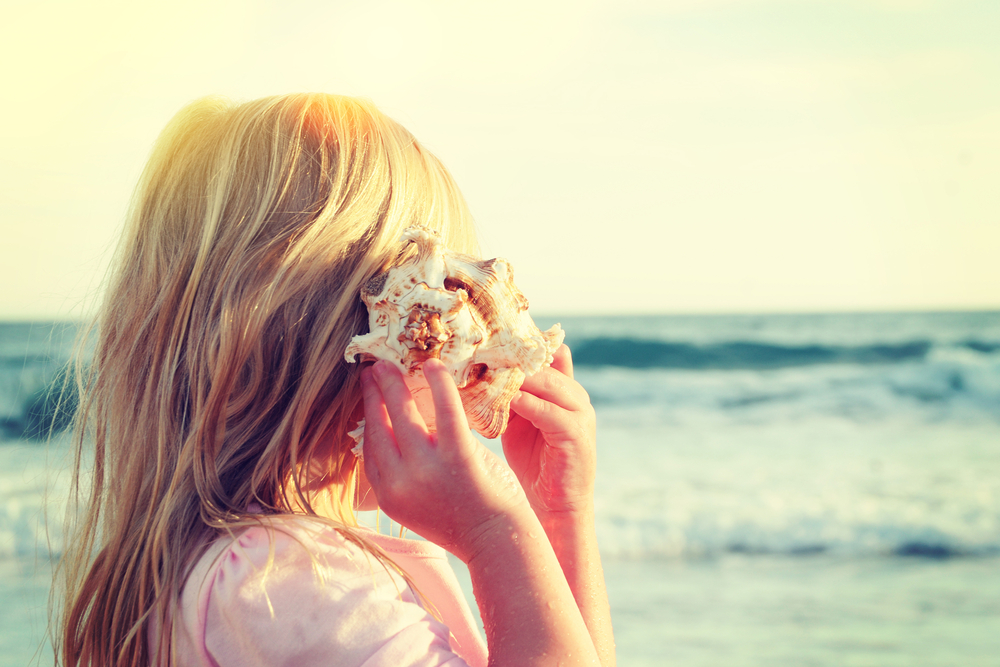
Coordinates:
(550, 444)
(456, 493)
(574, 540)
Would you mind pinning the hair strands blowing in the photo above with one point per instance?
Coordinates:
(217, 381)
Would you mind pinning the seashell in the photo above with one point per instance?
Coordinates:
(464, 311)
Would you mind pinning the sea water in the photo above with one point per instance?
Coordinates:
(773, 489)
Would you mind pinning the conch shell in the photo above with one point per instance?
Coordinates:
(464, 311)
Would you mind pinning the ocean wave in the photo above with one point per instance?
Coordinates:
(627, 538)
(934, 389)
(737, 355)
(986, 347)
(25, 533)
(36, 397)
(934, 369)
(33, 360)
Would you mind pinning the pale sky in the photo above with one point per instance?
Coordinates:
(625, 156)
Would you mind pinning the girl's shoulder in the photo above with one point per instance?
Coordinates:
(294, 590)
(286, 556)
(291, 543)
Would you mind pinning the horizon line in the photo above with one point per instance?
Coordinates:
(993, 309)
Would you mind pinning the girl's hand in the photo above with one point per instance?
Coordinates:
(550, 441)
(445, 486)
(456, 493)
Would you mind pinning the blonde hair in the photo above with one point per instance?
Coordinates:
(218, 379)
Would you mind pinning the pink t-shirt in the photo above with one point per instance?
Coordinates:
(322, 601)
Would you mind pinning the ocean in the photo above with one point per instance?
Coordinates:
(772, 489)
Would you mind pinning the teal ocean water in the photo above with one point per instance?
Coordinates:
(772, 489)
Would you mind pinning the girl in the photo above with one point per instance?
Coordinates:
(217, 525)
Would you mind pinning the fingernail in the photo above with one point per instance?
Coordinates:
(379, 368)
(366, 376)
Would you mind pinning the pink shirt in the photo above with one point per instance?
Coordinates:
(322, 601)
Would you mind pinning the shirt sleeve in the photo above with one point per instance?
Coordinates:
(314, 598)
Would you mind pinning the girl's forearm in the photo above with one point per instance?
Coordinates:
(574, 541)
(528, 609)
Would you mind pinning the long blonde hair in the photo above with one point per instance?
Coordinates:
(218, 379)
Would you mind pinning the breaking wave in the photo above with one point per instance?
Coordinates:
(739, 355)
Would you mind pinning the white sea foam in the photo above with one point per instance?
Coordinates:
(34, 483)
(823, 485)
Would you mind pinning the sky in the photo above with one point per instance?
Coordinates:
(629, 156)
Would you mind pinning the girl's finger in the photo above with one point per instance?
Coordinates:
(407, 424)
(381, 450)
(551, 385)
(544, 415)
(450, 415)
(562, 360)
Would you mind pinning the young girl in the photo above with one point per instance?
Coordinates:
(217, 525)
